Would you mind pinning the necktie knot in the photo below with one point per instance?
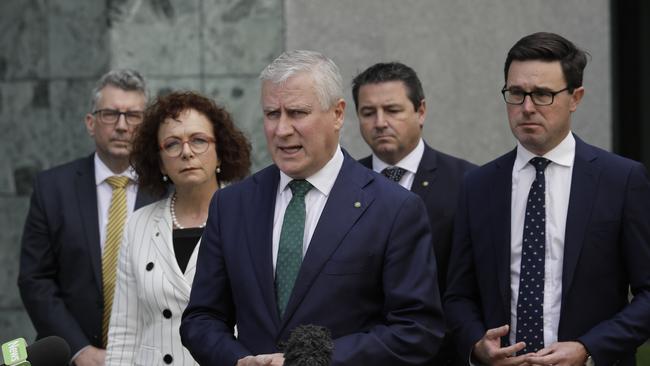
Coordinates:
(394, 173)
(299, 187)
(117, 181)
(540, 164)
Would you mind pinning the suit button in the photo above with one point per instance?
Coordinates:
(149, 266)
(167, 313)
(168, 359)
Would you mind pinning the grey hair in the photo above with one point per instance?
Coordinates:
(327, 77)
(125, 79)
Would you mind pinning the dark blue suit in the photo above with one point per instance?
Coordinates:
(60, 277)
(438, 181)
(606, 251)
(368, 275)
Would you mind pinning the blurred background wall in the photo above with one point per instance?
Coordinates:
(52, 51)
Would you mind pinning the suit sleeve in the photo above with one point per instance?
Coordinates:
(37, 281)
(631, 326)
(413, 324)
(207, 327)
(125, 330)
(461, 299)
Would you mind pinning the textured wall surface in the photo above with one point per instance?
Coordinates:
(51, 53)
(458, 48)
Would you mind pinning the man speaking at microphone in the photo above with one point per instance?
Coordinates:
(315, 238)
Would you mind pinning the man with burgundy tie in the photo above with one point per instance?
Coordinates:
(74, 226)
(551, 237)
(315, 238)
(391, 109)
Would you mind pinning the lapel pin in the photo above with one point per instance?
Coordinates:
(357, 204)
(425, 183)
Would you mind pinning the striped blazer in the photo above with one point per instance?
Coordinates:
(150, 294)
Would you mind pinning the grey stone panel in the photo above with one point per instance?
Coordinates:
(163, 86)
(458, 48)
(12, 219)
(241, 36)
(15, 323)
(70, 100)
(78, 46)
(157, 37)
(47, 129)
(241, 97)
(23, 39)
(23, 116)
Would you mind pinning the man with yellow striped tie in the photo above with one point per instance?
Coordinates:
(74, 226)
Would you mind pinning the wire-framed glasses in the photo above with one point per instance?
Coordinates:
(198, 143)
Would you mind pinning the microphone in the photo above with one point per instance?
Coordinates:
(48, 351)
(308, 345)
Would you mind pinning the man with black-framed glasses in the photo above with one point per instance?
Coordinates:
(74, 226)
(550, 237)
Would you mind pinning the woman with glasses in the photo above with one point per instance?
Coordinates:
(190, 147)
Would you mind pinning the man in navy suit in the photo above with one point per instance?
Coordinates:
(60, 277)
(550, 237)
(390, 105)
(364, 269)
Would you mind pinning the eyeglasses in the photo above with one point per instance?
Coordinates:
(538, 97)
(198, 143)
(111, 116)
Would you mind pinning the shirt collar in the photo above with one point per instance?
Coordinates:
(563, 154)
(324, 179)
(102, 172)
(410, 162)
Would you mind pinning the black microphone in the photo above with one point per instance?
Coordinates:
(308, 345)
(48, 351)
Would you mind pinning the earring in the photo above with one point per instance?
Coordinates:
(165, 179)
(218, 170)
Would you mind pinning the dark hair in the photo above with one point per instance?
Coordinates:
(233, 149)
(550, 47)
(390, 71)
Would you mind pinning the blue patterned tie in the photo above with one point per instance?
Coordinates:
(394, 173)
(290, 247)
(530, 303)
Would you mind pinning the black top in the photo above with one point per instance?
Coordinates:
(185, 241)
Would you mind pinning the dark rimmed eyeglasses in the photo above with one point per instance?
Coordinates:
(111, 116)
(199, 143)
(539, 97)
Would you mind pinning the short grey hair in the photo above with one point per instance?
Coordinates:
(125, 79)
(328, 83)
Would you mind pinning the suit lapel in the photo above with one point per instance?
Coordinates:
(338, 217)
(162, 241)
(86, 189)
(500, 202)
(584, 185)
(425, 177)
(259, 210)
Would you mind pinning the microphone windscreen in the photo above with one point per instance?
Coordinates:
(308, 345)
(49, 351)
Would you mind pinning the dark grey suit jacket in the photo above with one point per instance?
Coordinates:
(60, 277)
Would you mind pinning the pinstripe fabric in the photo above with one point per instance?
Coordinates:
(149, 282)
(114, 231)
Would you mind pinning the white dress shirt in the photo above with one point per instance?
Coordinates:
(315, 200)
(558, 188)
(105, 192)
(409, 163)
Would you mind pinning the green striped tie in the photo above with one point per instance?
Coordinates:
(114, 231)
(290, 248)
